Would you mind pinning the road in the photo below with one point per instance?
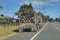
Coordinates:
(21, 36)
(50, 32)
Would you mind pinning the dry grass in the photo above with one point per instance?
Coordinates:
(4, 31)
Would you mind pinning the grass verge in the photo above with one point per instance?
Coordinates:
(7, 31)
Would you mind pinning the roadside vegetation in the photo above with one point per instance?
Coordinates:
(6, 26)
(6, 30)
(58, 20)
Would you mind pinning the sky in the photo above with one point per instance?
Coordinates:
(47, 7)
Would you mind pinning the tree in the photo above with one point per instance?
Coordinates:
(2, 15)
(30, 6)
(57, 19)
(48, 17)
(24, 8)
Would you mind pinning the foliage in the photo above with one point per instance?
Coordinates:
(2, 15)
(57, 19)
(24, 8)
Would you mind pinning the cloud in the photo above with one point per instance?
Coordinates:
(54, 1)
(40, 3)
(51, 4)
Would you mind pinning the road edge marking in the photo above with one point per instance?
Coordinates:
(38, 32)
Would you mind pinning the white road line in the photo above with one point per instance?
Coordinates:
(38, 32)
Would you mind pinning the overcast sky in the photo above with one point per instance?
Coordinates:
(47, 7)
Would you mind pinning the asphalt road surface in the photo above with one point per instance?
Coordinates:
(21, 36)
(50, 32)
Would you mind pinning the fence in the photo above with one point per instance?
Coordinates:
(5, 26)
